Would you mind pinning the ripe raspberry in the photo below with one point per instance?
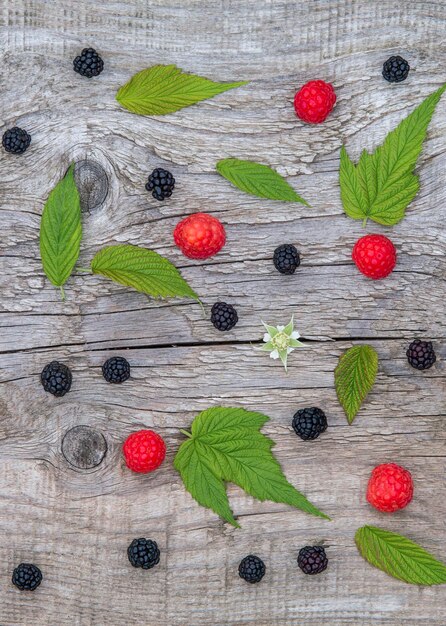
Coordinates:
(200, 236)
(390, 487)
(144, 451)
(374, 256)
(314, 101)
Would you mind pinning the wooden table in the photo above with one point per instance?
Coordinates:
(76, 523)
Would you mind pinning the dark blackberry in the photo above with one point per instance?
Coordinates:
(116, 369)
(56, 378)
(309, 423)
(396, 69)
(88, 63)
(421, 354)
(161, 183)
(143, 553)
(223, 316)
(252, 569)
(312, 560)
(27, 576)
(16, 140)
(286, 258)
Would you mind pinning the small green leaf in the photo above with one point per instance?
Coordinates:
(383, 183)
(225, 444)
(142, 269)
(258, 180)
(399, 557)
(354, 378)
(162, 89)
(61, 230)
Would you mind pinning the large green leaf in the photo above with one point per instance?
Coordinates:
(225, 444)
(142, 269)
(399, 557)
(354, 377)
(162, 89)
(61, 230)
(258, 180)
(383, 183)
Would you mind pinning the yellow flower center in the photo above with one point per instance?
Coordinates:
(281, 341)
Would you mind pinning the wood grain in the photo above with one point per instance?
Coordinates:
(76, 523)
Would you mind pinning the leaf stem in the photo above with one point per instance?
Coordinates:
(185, 432)
(83, 269)
(364, 222)
(62, 293)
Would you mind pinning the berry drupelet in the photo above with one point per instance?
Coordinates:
(223, 316)
(116, 370)
(309, 423)
(56, 378)
(286, 259)
(143, 553)
(27, 577)
(396, 69)
(252, 569)
(421, 354)
(16, 140)
(88, 63)
(161, 183)
(312, 560)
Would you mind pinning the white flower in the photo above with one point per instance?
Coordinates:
(280, 341)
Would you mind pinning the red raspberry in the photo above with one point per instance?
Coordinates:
(200, 236)
(314, 101)
(390, 487)
(374, 255)
(144, 451)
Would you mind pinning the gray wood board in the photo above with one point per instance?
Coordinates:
(76, 523)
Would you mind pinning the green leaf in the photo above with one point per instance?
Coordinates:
(354, 377)
(162, 89)
(61, 230)
(226, 445)
(383, 183)
(258, 180)
(142, 269)
(399, 557)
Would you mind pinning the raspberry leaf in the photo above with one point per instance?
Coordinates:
(61, 230)
(162, 89)
(258, 180)
(354, 377)
(142, 269)
(225, 444)
(399, 557)
(382, 185)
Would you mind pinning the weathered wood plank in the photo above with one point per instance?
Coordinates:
(76, 524)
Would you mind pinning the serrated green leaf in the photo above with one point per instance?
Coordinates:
(162, 89)
(258, 180)
(61, 230)
(382, 185)
(399, 557)
(354, 377)
(226, 444)
(142, 269)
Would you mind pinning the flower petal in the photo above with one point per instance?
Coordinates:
(274, 354)
(267, 337)
(295, 335)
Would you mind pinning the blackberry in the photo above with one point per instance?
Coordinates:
(286, 259)
(116, 369)
(421, 354)
(88, 63)
(27, 576)
(312, 560)
(223, 316)
(309, 423)
(16, 140)
(161, 183)
(56, 378)
(396, 69)
(252, 569)
(143, 553)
